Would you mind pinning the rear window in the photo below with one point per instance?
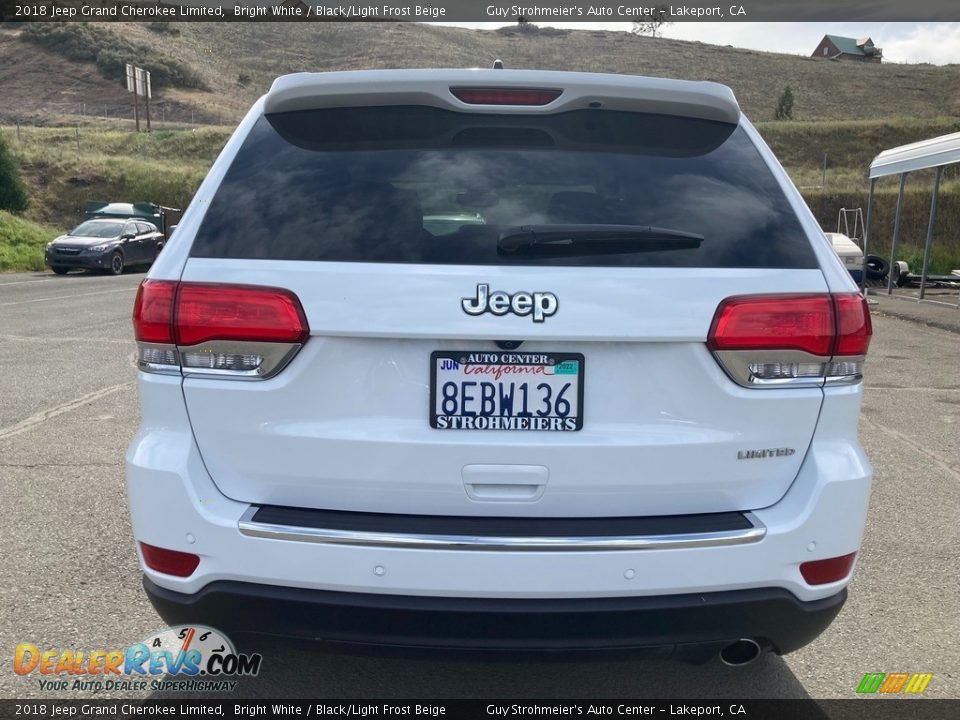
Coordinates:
(424, 185)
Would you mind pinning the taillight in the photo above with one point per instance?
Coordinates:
(208, 329)
(821, 572)
(238, 312)
(505, 96)
(853, 324)
(169, 562)
(153, 311)
(779, 322)
(791, 340)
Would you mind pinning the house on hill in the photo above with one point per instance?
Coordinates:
(834, 47)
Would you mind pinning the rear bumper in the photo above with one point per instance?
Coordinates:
(692, 626)
(560, 599)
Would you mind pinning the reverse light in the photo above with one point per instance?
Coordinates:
(786, 371)
(505, 96)
(218, 330)
(821, 572)
(169, 562)
(793, 340)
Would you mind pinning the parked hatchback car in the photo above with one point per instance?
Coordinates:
(619, 414)
(105, 244)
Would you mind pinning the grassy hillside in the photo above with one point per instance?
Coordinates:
(237, 61)
(66, 167)
(22, 243)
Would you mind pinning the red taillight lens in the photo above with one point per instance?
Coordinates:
(774, 322)
(505, 96)
(229, 331)
(821, 572)
(854, 328)
(238, 312)
(169, 562)
(153, 311)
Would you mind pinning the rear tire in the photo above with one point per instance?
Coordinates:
(60, 270)
(116, 263)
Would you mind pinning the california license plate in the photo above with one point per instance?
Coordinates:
(506, 390)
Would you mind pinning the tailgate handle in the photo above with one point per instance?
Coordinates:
(505, 483)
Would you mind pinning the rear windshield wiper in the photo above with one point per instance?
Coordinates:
(594, 239)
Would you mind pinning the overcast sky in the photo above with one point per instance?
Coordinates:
(937, 43)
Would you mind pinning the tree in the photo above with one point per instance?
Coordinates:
(654, 26)
(784, 109)
(13, 193)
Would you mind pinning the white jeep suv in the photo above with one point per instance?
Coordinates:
(614, 409)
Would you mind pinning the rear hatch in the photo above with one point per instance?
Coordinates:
(520, 362)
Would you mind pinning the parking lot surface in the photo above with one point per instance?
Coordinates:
(71, 581)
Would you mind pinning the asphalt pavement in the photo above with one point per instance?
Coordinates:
(70, 577)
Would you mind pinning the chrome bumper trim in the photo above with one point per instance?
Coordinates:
(331, 536)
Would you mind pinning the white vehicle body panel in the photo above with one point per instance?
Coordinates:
(345, 425)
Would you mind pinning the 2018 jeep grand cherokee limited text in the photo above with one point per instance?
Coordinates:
(615, 408)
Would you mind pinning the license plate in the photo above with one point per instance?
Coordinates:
(506, 390)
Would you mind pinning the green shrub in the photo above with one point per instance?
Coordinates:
(943, 260)
(784, 109)
(13, 193)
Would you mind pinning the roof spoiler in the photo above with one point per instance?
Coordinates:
(309, 91)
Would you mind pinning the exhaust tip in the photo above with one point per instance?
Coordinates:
(742, 652)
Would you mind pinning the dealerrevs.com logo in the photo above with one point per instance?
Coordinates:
(181, 658)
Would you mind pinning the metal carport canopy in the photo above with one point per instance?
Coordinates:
(931, 153)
